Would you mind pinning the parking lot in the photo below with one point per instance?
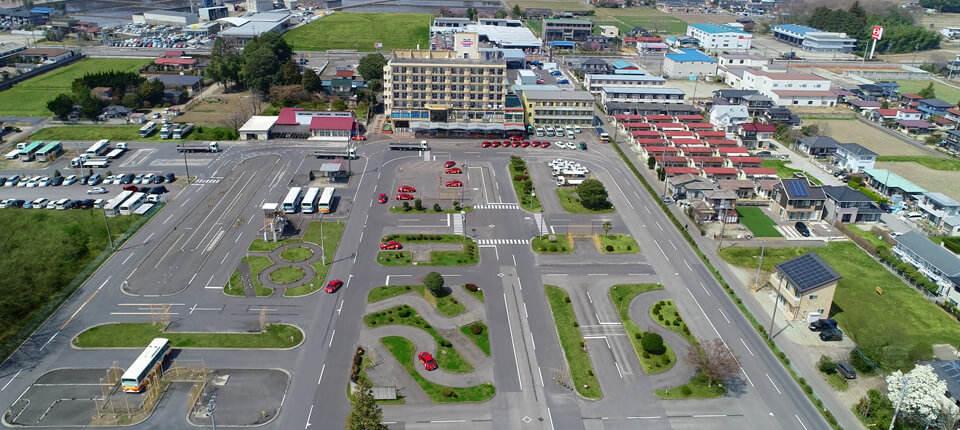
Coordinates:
(432, 182)
(66, 397)
(30, 190)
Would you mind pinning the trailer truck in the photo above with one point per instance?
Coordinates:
(344, 152)
(422, 146)
(199, 147)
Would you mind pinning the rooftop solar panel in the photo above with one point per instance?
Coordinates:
(797, 189)
(807, 272)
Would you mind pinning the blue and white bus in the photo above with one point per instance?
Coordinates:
(325, 204)
(292, 202)
(309, 203)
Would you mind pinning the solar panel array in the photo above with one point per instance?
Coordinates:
(807, 271)
(798, 189)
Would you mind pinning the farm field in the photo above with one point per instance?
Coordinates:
(944, 181)
(220, 109)
(871, 138)
(29, 98)
(944, 92)
(646, 17)
(555, 5)
(358, 30)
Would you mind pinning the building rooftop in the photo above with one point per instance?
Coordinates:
(844, 193)
(583, 96)
(717, 29)
(893, 180)
(801, 189)
(690, 55)
(914, 123)
(942, 200)
(568, 20)
(934, 254)
(505, 36)
(258, 123)
(785, 76)
(937, 103)
(819, 142)
(251, 28)
(413, 57)
(331, 123)
(638, 78)
(856, 149)
(622, 90)
(178, 80)
(807, 272)
(795, 28)
(50, 52)
(171, 13)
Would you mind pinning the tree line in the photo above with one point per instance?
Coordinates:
(942, 5)
(900, 35)
(129, 89)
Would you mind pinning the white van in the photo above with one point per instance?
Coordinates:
(576, 129)
(59, 204)
(549, 130)
(40, 203)
(540, 132)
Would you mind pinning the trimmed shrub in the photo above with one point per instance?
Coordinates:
(476, 329)
(652, 343)
(473, 288)
(685, 390)
(403, 314)
(826, 365)
(609, 248)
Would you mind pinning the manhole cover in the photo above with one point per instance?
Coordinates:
(526, 420)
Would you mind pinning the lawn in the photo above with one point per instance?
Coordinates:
(621, 296)
(476, 294)
(618, 244)
(862, 313)
(758, 222)
(447, 357)
(256, 263)
(129, 133)
(535, 25)
(286, 275)
(943, 92)
(467, 257)
(543, 245)
(259, 245)
(139, 335)
(403, 350)
(482, 340)
(46, 257)
(935, 163)
(332, 231)
(671, 319)
(573, 343)
(519, 176)
(446, 304)
(571, 203)
(297, 253)
(786, 172)
(360, 30)
(30, 97)
(560, 5)
(868, 236)
(698, 388)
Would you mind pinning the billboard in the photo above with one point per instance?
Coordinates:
(877, 33)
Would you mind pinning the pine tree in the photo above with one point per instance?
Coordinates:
(366, 415)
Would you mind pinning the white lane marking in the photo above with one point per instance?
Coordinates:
(589, 298)
(339, 308)
(513, 343)
(334, 333)
(708, 292)
(618, 368)
(164, 255)
(168, 218)
(671, 243)
(643, 418)
(282, 399)
(238, 238)
(51, 340)
(525, 314)
(771, 383)
(308, 417)
(688, 265)
(549, 415)
(661, 227)
(21, 370)
(745, 346)
(447, 421)
(724, 315)
(224, 258)
(801, 422)
(191, 279)
(125, 259)
(514, 259)
(538, 371)
(148, 237)
(709, 416)
(661, 249)
(321, 373)
(648, 210)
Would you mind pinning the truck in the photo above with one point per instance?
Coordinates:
(604, 137)
(199, 147)
(182, 130)
(422, 146)
(85, 160)
(574, 179)
(345, 152)
(114, 154)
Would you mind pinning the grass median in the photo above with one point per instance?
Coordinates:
(618, 244)
(478, 294)
(481, 337)
(523, 185)
(296, 254)
(139, 335)
(561, 244)
(757, 222)
(332, 231)
(571, 203)
(574, 346)
(259, 245)
(468, 256)
(622, 295)
(447, 357)
(286, 275)
(446, 304)
(429, 210)
(404, 351)
(698, 388)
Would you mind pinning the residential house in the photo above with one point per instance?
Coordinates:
(854, 158)
(937, 206)
(916, 127)
(49, 55)
(951, 141)
(640, 95)
(575, 30)
(718, 173)
(728, 117)
(742, 60)
(942, 123)
(788, 88)
(742, 187)
(951, 226)
(713, 37)
(781, 115)
(891, 89)
(102, 93)
(755, 135)
(177, 64)
(864, 106)
(869, 92)
(804, 287)
(689, 186)
(882, 116)
(724, 204)
(172, 96)
(890, 184)
(596, 66)
(935, 262)
(846, 205)
(114, 111)
(797, 199)
(930, 107)
(953, 114)
(189, 83)
(909, 100)
(817, 146)
(595, 82)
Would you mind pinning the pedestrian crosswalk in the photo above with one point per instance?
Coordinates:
(207, 181)
(458, 224)
(498, 206)
(541, 224)
(788, 232)
(503, 241)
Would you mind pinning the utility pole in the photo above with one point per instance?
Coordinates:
(109, 236)
(776, 301)
(185, 165)
(903, 391)
(211, 405)
(323, 251)
(763, 245)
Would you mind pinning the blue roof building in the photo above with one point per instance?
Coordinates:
(689, 63)
(714, 37)
(717, 28)
(812, 39)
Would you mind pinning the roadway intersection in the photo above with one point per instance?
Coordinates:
(185, 255)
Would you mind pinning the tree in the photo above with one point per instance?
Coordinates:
(661, 174)
(151, 91)
(225, 63)
(311, 81)
(607, 227)
(418, 204)
(61, 105)
(516, 12)
(919, 393)
(290, 73)
(366, 415)
(501, 14)
(434, 283)
(436, 207)
(90, 107)
(652, 343)
(928, 92)
(472, 14)
(885, 104)
(371, 66)
(719, 363)
(651, 162)
(130, 100)
(259, 70)
(592, 194)
(339, 105)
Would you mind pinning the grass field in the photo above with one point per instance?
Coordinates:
(574, 346)
(139, 335)
(541, 4)
(447, 357)
(258, 245)
(527, 201)
(620, 243)
(295, 254)
(927, 161)
(476, 294)
(621, 296)
(673, 321)
(647, 17)
(543, 245)
(943, 92)
(787, 172)
(125, 133)
(758, 222)
(865, 315)
(44, 251)
(360, 30)
(697, 388)
(467, 257)
(571, 203)
(482, 340)
(868, 236)
(30, 97)
(535, 25)
(332, 231)
(403, 350)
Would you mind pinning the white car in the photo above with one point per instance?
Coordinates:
(138, 179)
(108, 180)
(44, 182)
(148, 178)
(70, 180)
(32, 182)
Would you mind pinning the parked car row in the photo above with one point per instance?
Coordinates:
(514, 144)
(94, 179)
(828, 329)
(61, 204)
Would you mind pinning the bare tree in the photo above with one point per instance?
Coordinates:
(719, 363)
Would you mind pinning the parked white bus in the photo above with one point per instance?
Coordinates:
(131, 204)
(148, 129)
(292, 202)
(113, 205)
(325, 204)
(309, 203)
(98, 148)
(139, 374)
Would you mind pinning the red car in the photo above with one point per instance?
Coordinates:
(496, 143)
(540, 82)
(516, 137)
(454, 171)
(359, 137)
(133, 188)
(485, 145)
(382, 198)
(535, 144)
(516, 144)
(391, 245)
(449, 163)
(404, 196)
(525, 144)
(506, 145)
(454, 183)
(427, 361)
(545, 144)
(334, 285)
(406, 189)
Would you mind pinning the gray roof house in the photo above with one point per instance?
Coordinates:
(847, 205)
(854, 158)
(818, 146)
(933, 261)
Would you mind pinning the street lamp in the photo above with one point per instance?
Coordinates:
(323, 251)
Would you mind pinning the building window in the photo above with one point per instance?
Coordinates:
(813, 296)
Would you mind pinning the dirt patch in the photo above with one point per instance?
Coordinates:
(944, 181)
(700, 18)
(220, 109)
(873, 139)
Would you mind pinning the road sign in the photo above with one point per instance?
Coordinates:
(693, 78)
(877, 33)
(378, 45)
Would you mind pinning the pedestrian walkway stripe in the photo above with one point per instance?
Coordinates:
(498, 206)
(207, 181)
(503, 241)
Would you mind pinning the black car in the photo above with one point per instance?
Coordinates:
(157, 180)
(823, 324)
(802, 229)
(16, 203)
(846, 370)
(70, 204)
(158, 190)
(127, 179)
(144, 190)
(171, 177)
(56, 181)
(85, 204)
(583, 146)
(84, 179)
(3, 180)
(831, 335)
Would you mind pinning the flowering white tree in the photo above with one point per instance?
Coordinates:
(922, 393)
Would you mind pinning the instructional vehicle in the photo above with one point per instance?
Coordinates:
(391, 245)
(334, 285)
(454, 183)
(427, 360)
(382, 198)
(404, 196)
(406, 189)
(454, 171)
